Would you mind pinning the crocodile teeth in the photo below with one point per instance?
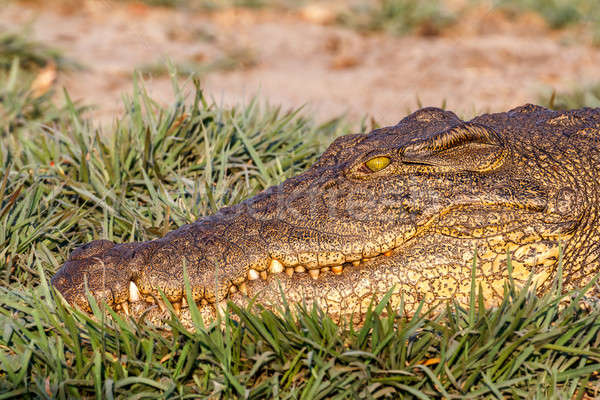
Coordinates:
(184, 303)
(134, 292)
(275, 267)
(243, 289)
(221, 307)
(233, 289)
(252, 274)
(125, 307)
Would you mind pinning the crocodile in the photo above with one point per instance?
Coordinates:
(402, 210)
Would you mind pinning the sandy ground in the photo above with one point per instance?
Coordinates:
(484, 63)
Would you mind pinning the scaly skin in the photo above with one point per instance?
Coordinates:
(520, 183)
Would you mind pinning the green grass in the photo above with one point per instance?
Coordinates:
(230, 60)
(398, 16)
(32, 54)
(584, 96)
(558, 13)
(433, 16)
(20, 107)
(64, 182)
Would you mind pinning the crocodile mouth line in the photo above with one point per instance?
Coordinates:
(315, 265)
(326, 264)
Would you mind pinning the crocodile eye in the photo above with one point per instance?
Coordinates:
(377, 163)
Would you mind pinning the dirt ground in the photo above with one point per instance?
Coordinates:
(484, 63)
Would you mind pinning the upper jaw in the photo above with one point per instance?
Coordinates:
(112, 277)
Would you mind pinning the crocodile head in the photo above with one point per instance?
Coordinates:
(403, 207)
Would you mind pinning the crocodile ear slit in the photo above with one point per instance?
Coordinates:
(467, 147)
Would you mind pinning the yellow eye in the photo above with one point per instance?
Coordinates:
(377, 163)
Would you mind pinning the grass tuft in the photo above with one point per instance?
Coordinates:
(32, 54)
(558, 13)
(584, 96)
(231, 60)
(398, 16)
(22, 106)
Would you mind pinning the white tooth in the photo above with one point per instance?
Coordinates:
(264, 275)
(337, 269)
(221, 307)
(134, 293)
(300, 268)
(289, 271)
(244, 289)
(314, 273)
(125, 306)
(276, 267)
(184, 303)
(252, 275)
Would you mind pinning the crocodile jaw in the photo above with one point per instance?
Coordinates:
(416, 271)
(447, 188)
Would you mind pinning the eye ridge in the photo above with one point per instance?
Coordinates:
(376, 164)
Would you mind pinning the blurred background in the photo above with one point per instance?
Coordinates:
(377, 59)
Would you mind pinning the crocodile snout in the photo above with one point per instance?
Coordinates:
(103, 267)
